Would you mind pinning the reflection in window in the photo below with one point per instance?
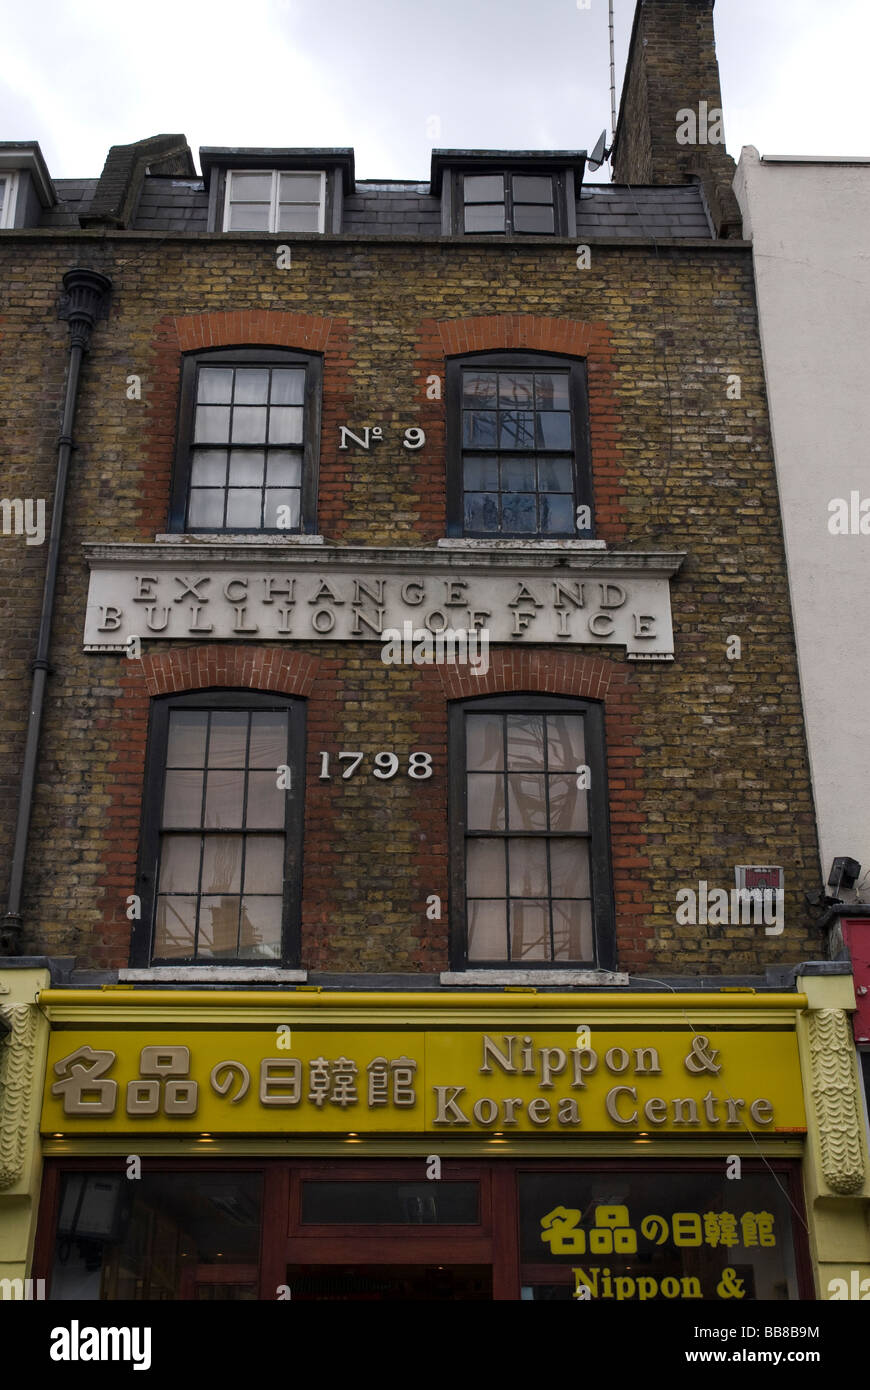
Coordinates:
(221, 857)
(499, 203)
(273, 200)
(528, 883)
(166, 1236)
(517, 443)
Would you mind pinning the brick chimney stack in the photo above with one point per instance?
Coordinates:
(670, 115)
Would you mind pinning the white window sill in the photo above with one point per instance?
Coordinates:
(566, 978)
(214, 975)
(478, 543)
(236, 538)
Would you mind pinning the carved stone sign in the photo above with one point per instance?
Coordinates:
(230, 594)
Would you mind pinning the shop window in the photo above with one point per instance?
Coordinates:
(167, 1236)
(390, 1203)
(221, 844)
(275, 200)
(248, 442)
(518, 446)
(640, 1235)
(530, 872)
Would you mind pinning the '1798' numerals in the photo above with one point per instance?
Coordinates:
(386, 765)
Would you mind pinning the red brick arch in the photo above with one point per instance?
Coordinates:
(277, 669)
(526, 669)
(515, 332)
(236, 327)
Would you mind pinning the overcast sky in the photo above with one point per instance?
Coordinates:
(393, 78)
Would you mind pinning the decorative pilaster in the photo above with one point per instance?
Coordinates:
(17, 1057)
(834, 1096)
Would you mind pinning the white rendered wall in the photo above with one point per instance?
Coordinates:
(809, 221)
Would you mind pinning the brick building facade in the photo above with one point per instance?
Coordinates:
(399, 353)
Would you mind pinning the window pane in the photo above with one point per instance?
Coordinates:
(289, 519)
(527, 808)
(249, 217)
(244, 508)
(555, 475)
(528, 867)
(174, 927)
(485, 801)
(283, 468)
(485, 871)
(209, 468)
(516, 429)
(487, 935)
(484, 747)
(483, 188)
(479, 428)
(569, 869)
(572, 931)
(260, 936)
(299, 188)
(214, 384)
(480, 474)
(557, 514)
(266, 801)
(206, 509)
(228, 738)
(182, 799)
(528, 218)
(551, 390)
(530, 930)
(223, 800)
(554, 429)
(251, 188)
(264, 864)
(532, 188)
(518, 513)
(484, 217)
(518, 474)
(268, 739)
(516, 389)
(481, 511)
(285, 425)
(479, 389)
(186, 746)
(246, 467)
(222, 864)
(288, 385)
(252, 385)
(568, 809)
(566, 745)
(301, 217)
(249, 424)
(218, 927)
(179, 864)
(212, 425)
(525, 741)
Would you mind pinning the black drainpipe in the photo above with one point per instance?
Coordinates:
(85, 291)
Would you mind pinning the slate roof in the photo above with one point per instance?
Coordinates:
(400, 208)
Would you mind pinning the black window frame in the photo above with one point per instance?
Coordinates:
(247, 357)
(142, 941)
(600, 863)
(582, 449)
(508, 172)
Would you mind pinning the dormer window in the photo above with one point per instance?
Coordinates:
(8, 190)
(525, 204)
(275, 200)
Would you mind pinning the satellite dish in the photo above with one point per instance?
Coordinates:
(600, 153)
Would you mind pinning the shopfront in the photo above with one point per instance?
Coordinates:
(325, 1146)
